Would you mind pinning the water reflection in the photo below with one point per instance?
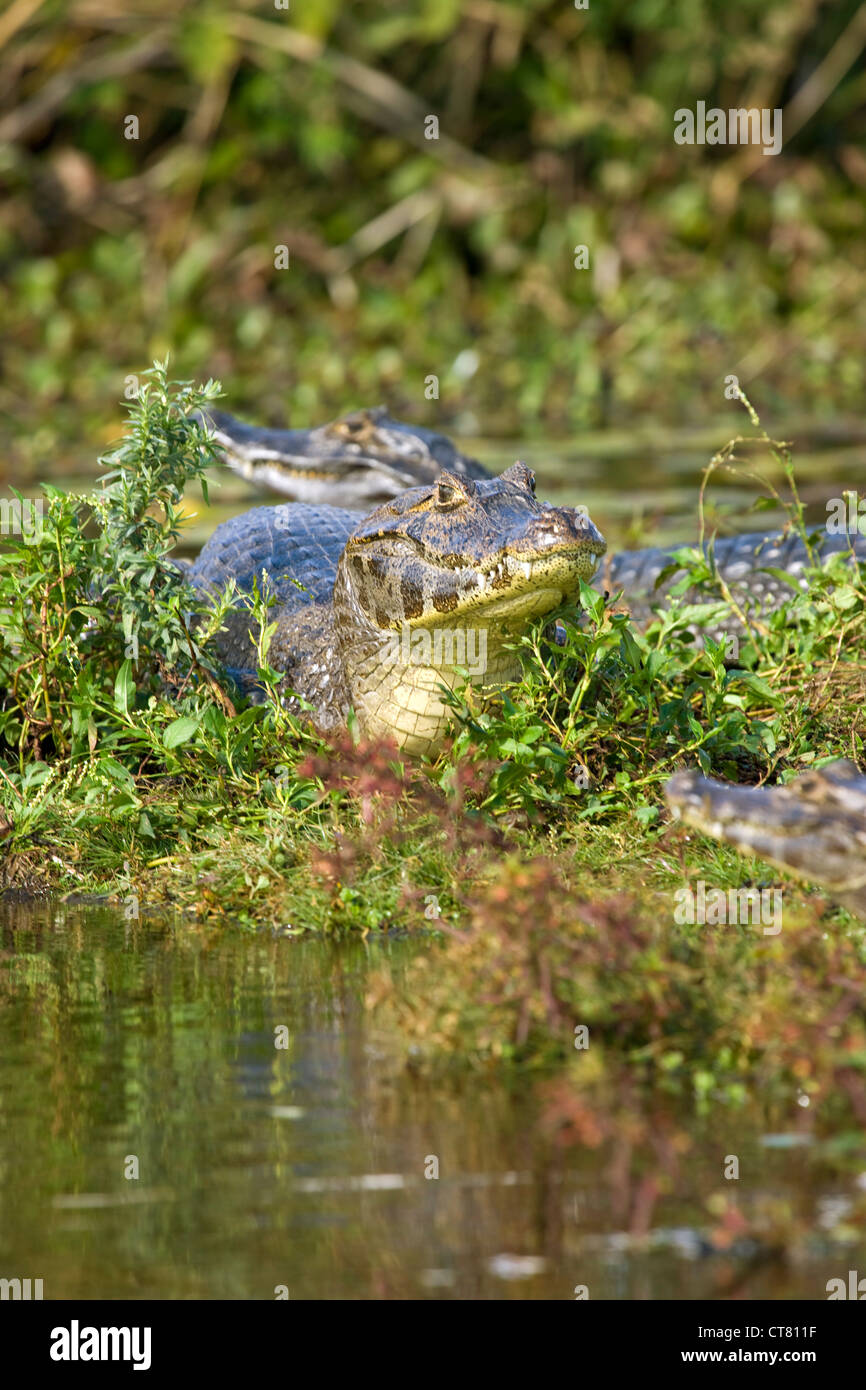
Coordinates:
(150, 1047)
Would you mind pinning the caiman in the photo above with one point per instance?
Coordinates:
(395, 604)
(441, 579)
(815, 826)
(359, 460)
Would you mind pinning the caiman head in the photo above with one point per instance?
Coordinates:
(814, 826)
(362, 459)
(441, 580)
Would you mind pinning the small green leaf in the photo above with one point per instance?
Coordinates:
(124, 688)
(845, 597)
(179, 731)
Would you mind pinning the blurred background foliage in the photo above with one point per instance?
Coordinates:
(305, 127)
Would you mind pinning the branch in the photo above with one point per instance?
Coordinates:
(827, 75)
(394, 107)
(16, 17)
(33, 113)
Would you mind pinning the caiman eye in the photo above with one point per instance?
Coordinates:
(450, 491)
(446, 495)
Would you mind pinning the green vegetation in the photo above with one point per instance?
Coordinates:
(105, 662)
(534, 844)
(260, 128)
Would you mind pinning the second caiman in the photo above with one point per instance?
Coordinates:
(360, 460)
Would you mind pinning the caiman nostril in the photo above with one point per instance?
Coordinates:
(546, 535)
(549, 529)
(564, 526)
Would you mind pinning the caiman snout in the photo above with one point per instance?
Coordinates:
(559, 527)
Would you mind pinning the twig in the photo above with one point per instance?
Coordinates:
(385, 227)
(31, 114)
(803, 104)
(394, 107)
(16, 17)
(827, 75)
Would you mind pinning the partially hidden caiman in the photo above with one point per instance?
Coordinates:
(814, 826)
(360, 460)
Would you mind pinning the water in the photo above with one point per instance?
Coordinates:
(636, 499)
(640, 486)
(304, 1167)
